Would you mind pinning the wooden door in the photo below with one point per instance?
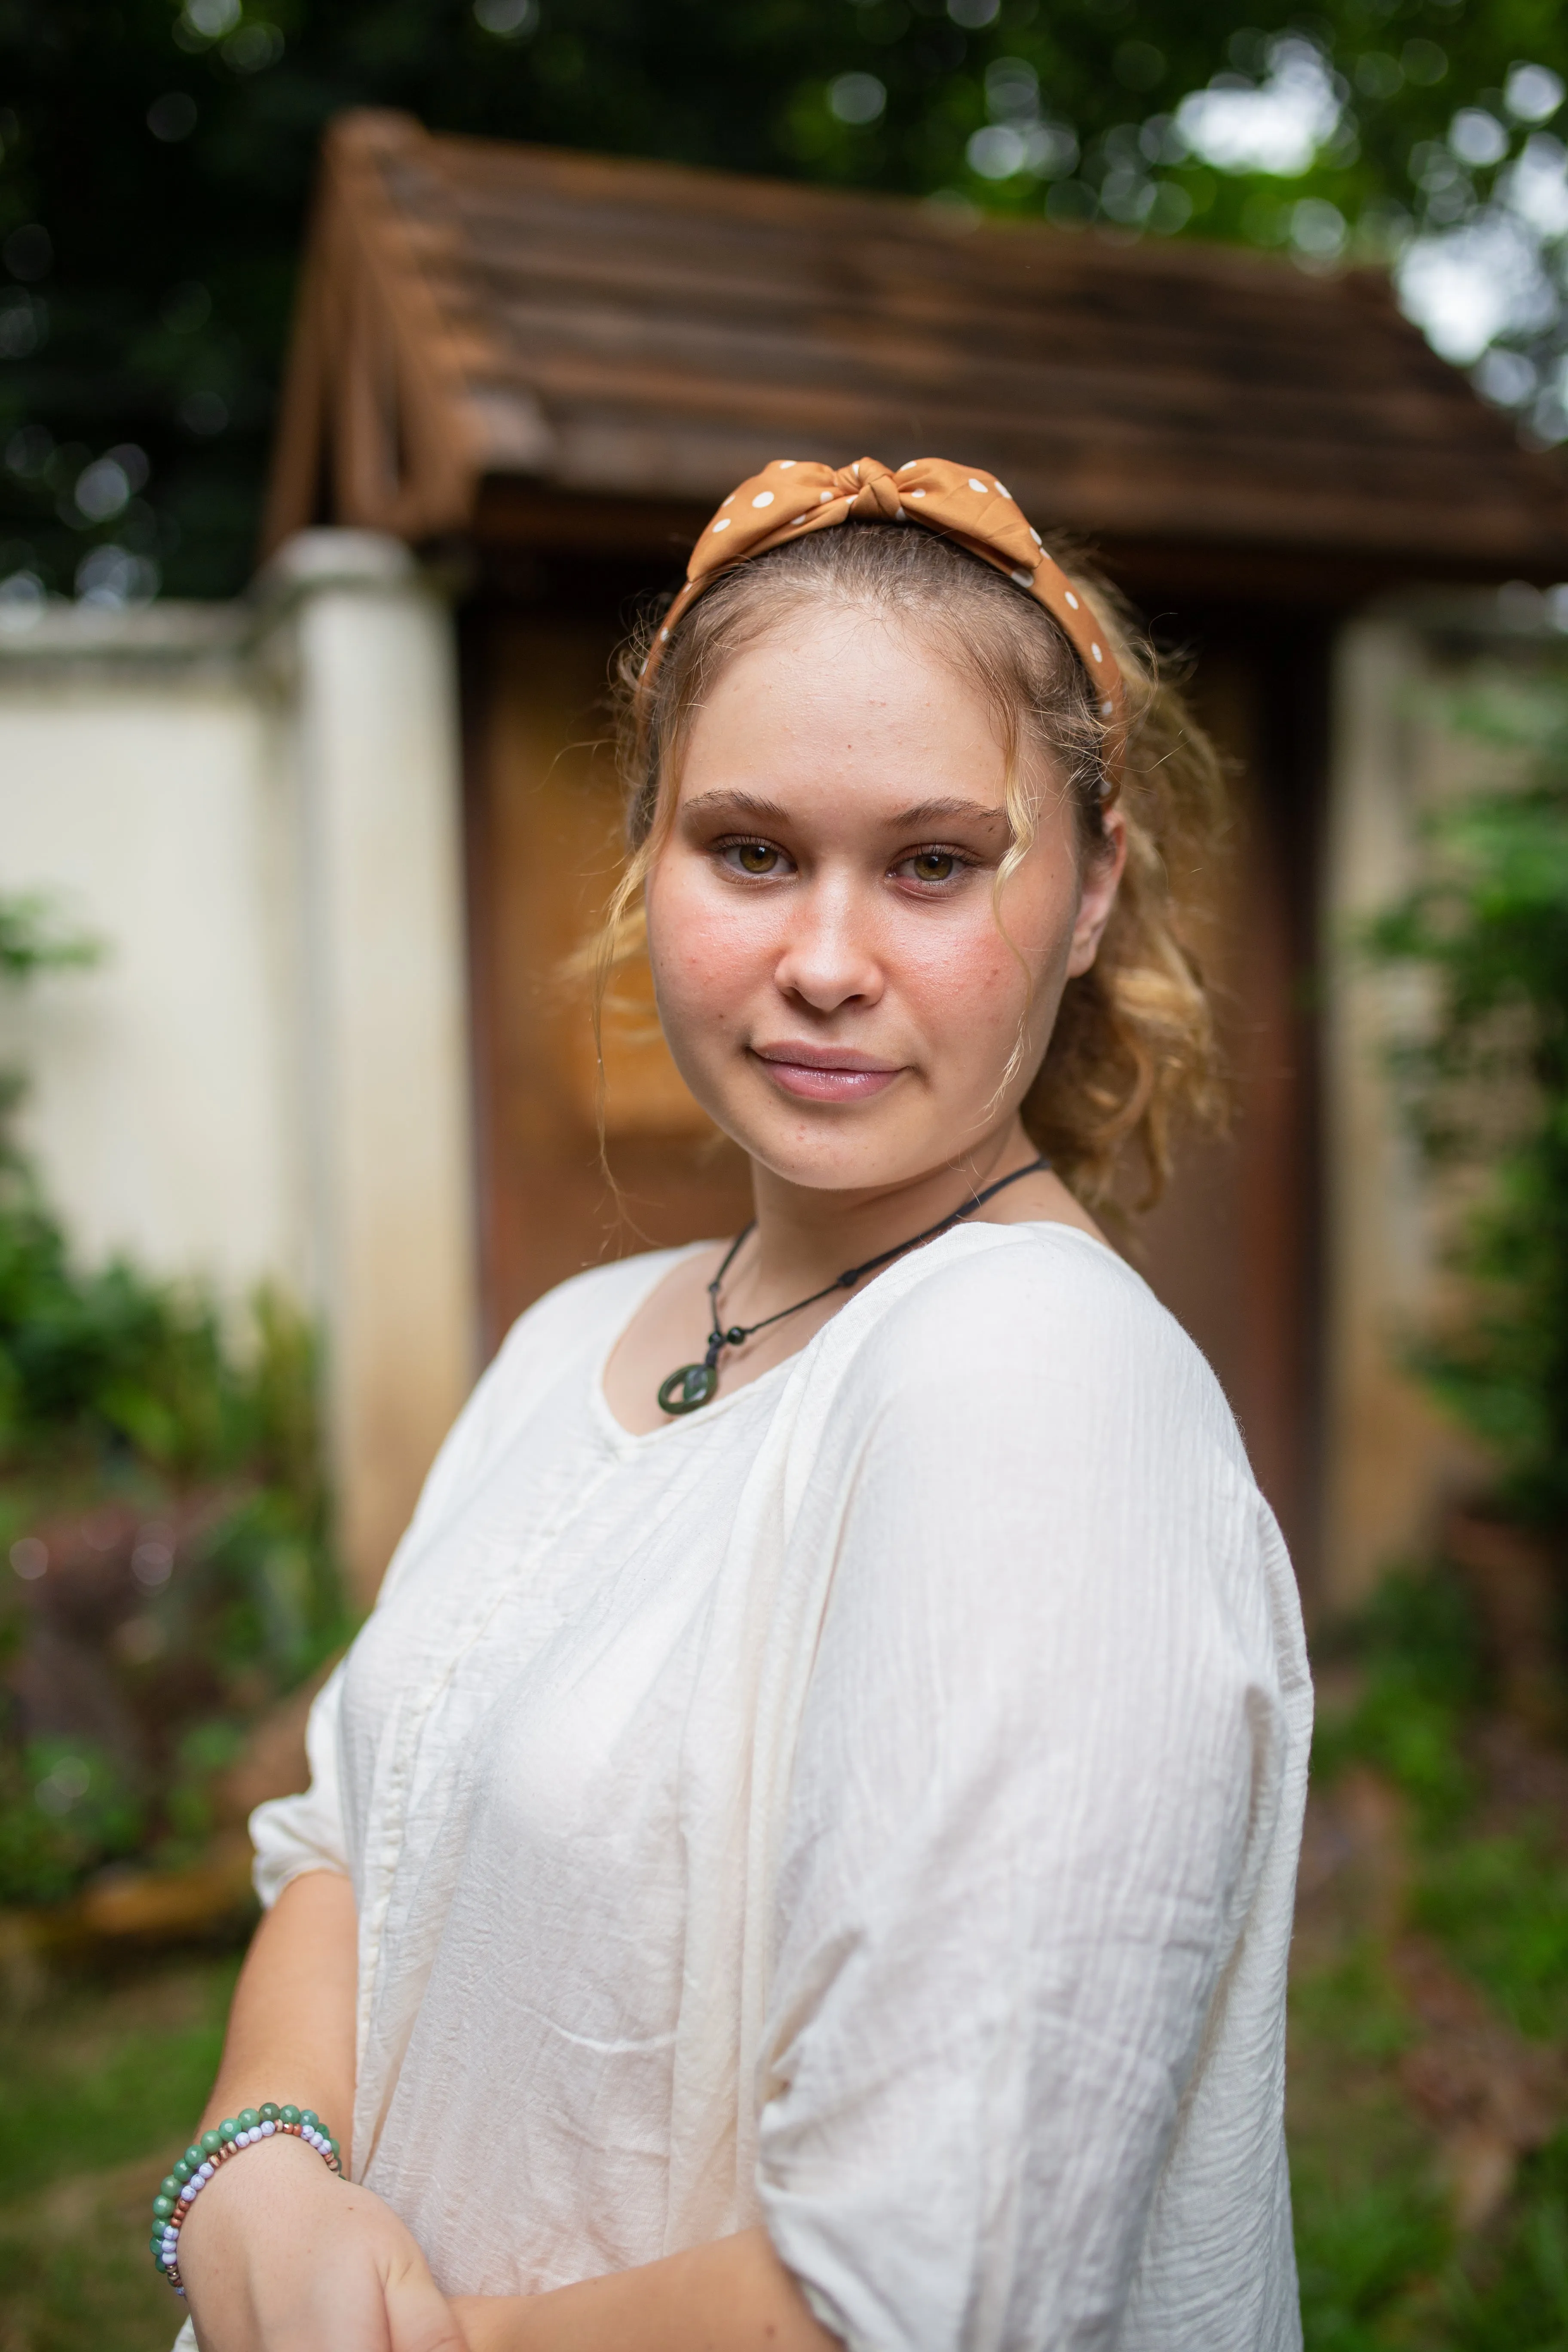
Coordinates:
(1232, 1249)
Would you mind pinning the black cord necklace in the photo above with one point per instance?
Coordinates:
(694, 1385)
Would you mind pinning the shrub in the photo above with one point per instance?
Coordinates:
(162, 1501)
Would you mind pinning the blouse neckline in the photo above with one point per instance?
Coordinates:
(631, 1441)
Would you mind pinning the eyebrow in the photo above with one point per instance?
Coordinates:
(722, 804)
(766, 812)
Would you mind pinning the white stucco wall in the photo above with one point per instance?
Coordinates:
(1393, 1462)
(256, 808)
(140, 793)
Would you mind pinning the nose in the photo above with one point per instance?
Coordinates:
(829, 956)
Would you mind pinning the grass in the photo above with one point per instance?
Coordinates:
(104, 2075)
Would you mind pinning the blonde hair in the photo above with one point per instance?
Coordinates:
(1133, 1049)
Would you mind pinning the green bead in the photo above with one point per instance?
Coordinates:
(270, 2113)
(169, 2185)
(211, 2143)
(228, 2129)
(183, 2170)
(163, 2206)
(288, 2115)
(249, 2118)
(192, 2156)
(309, 2118)
(333, 2146)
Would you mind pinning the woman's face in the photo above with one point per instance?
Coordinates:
(829, 971)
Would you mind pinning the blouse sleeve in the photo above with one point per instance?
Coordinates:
(1039, 1759)
(294, 1835)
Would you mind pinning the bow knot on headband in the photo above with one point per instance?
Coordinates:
(794, 497)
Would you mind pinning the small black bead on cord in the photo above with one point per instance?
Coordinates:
(695, 1385)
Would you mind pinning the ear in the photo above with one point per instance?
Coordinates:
(1102, 879)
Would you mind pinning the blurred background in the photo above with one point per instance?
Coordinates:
(361, 369)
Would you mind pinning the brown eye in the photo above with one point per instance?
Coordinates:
(754, 857)
(932, 865)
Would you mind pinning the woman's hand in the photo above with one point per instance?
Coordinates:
(278, 2255)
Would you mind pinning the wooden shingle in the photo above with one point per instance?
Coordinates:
(500, 339)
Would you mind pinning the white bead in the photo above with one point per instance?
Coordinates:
(167, 2258)
(268, 2130)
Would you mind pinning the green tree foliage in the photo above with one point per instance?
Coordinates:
(158, 160)
(1489, 1088)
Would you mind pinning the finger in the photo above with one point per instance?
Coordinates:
(418, 2317)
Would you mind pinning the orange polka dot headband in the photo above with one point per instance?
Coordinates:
(793, 496)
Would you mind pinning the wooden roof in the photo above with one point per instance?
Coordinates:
(517, 340)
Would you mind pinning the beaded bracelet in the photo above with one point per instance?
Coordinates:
(178, 2190)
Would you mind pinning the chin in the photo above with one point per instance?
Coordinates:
(843, 1151)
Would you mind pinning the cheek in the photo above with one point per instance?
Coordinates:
(705, 960)
(966, 975)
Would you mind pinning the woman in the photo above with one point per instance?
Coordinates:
(802, 1853)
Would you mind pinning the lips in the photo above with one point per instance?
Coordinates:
(830, 1074)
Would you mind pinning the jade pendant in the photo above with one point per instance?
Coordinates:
(692, 1385)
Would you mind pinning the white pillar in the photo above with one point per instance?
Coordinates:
(1392, 1460)
(369, 653)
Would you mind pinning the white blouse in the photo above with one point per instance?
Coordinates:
(870, 1805)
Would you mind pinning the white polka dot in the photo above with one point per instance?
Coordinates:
(1035, 535)
(909, 465)
(662, 634)
(1094, 653)
(1003, 492)
(855, 469)
(976, 486)
(800, 518)
(917, 494)
(1024, 579)
(823, 497)
(785, 464)
(763, 498)
(729, 501)
(722, 523)
(1105, 710)
(1072, 600)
